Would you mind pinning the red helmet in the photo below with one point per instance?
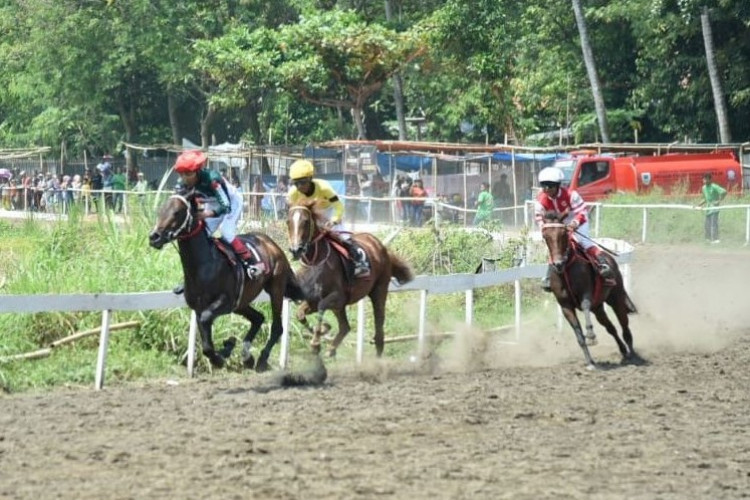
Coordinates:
(190, 161)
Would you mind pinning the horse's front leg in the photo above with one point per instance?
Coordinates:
(586, 307)
(570, 315)
(344, 329)
(333, 301)
(206, 320)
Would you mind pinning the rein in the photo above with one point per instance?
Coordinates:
(312, 239)
(177, 233)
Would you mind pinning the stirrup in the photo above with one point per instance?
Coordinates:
(178, 289)
(361, 270)
(254, 270)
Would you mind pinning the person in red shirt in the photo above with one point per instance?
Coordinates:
(554, 197)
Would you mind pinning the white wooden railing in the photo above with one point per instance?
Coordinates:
(425, 285)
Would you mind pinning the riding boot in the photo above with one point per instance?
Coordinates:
(358, 258)
(545, 281)
(252, 270)
(605, 271)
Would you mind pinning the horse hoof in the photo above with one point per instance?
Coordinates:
(591, 341)
(591, 367)
(262, 367)
(217, 361)
(332, 353)
(315, 348)
(248, 361)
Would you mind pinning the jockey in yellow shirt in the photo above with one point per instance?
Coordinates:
(304, 188)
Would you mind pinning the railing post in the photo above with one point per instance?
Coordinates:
(284, 348)
(469, 306)
(598, 217)
(645, 223)
(360, 331)
(747, 226)
(517, 304)
(101, 360)
(192, 333)
(422, 323)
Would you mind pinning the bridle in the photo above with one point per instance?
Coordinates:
(311, 237)
(187, 223)
(559, 225)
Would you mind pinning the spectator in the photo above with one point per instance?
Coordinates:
(406, 206)
(366, 191)
(502, 195)
(118, 188)
(105, 169)
(140, 188)
(417, 205)
(712, 195)
(484, 204)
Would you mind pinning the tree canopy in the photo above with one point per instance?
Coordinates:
(92, 75)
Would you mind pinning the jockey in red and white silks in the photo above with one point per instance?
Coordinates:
(554, 197)
(564, 201)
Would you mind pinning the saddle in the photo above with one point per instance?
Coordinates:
(600, 283)
(347, 259)
(235, 261)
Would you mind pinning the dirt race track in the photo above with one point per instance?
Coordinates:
(517, 422)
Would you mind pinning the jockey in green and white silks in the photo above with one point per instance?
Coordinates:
(223, 204)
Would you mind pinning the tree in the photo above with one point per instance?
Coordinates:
(588, 58)
(336, 59)
(721, 109)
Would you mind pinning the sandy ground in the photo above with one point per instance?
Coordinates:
(491, 421)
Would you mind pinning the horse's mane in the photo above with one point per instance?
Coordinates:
(553, 216)
(315, 209)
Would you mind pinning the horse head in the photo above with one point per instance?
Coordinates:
(176, 218)
(556, 236)
(302, 222)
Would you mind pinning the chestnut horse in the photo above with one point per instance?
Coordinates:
(216, 283)
(576, 284)
(326, 278)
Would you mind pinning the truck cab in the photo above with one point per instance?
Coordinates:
(594, 177)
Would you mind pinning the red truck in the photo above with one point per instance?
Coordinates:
(597, 176)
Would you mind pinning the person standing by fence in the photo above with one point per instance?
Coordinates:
(485, 203)
(712, 195)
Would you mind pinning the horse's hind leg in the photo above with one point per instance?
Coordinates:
(621, 311)
(601, 316)
(277, 329)
(378, 297)
(256, 321)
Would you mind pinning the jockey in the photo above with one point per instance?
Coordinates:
(554, 197)
(306, 188)
(224, 205)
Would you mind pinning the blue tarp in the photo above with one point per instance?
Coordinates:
(406, 163)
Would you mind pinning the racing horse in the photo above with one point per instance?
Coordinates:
(215, 280)
(326, 277)
(576, 284)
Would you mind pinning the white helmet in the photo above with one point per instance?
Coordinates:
(551, 175)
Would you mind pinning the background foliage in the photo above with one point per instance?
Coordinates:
(87, 75)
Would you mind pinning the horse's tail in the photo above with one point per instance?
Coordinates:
(293, 289)
(400, 269)
(629, 304)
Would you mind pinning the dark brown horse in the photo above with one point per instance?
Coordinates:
(216, 284)
(326, 277)
(577, 285)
